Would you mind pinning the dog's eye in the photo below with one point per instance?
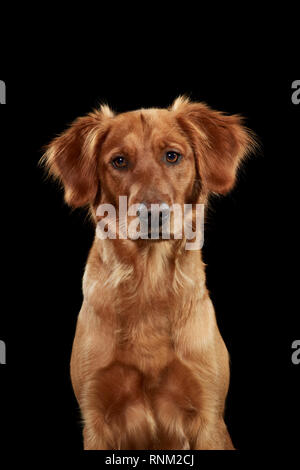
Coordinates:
(172, 157)
(119, 162)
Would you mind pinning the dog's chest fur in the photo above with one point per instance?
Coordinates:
(141, 305)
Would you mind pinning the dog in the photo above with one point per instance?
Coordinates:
(149, 367)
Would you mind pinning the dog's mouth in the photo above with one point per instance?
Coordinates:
(158, 234)
(153, 235)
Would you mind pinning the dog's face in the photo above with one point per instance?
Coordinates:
(152, 156)
(147, 158)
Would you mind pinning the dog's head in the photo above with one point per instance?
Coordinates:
(152, 156)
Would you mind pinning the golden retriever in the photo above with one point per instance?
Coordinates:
(149, 367)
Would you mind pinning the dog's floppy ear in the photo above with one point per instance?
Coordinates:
(220, 142)
(72, 157)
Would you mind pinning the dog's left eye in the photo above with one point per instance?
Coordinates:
(172, 157)
(119, 162)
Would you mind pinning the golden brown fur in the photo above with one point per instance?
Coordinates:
(149, 367)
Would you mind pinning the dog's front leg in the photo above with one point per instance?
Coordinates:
(214, 437)
(93, 440)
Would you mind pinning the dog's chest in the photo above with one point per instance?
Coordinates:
(144, 336)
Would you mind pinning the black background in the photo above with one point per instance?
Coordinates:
(251, 251)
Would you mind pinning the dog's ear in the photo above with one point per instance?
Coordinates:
(72, 157)
(220, 142)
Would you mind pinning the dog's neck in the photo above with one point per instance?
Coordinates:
(155, 265)
(161, 279)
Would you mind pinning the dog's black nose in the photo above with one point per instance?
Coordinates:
(155, 215)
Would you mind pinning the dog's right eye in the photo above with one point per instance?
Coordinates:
(119, 162)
